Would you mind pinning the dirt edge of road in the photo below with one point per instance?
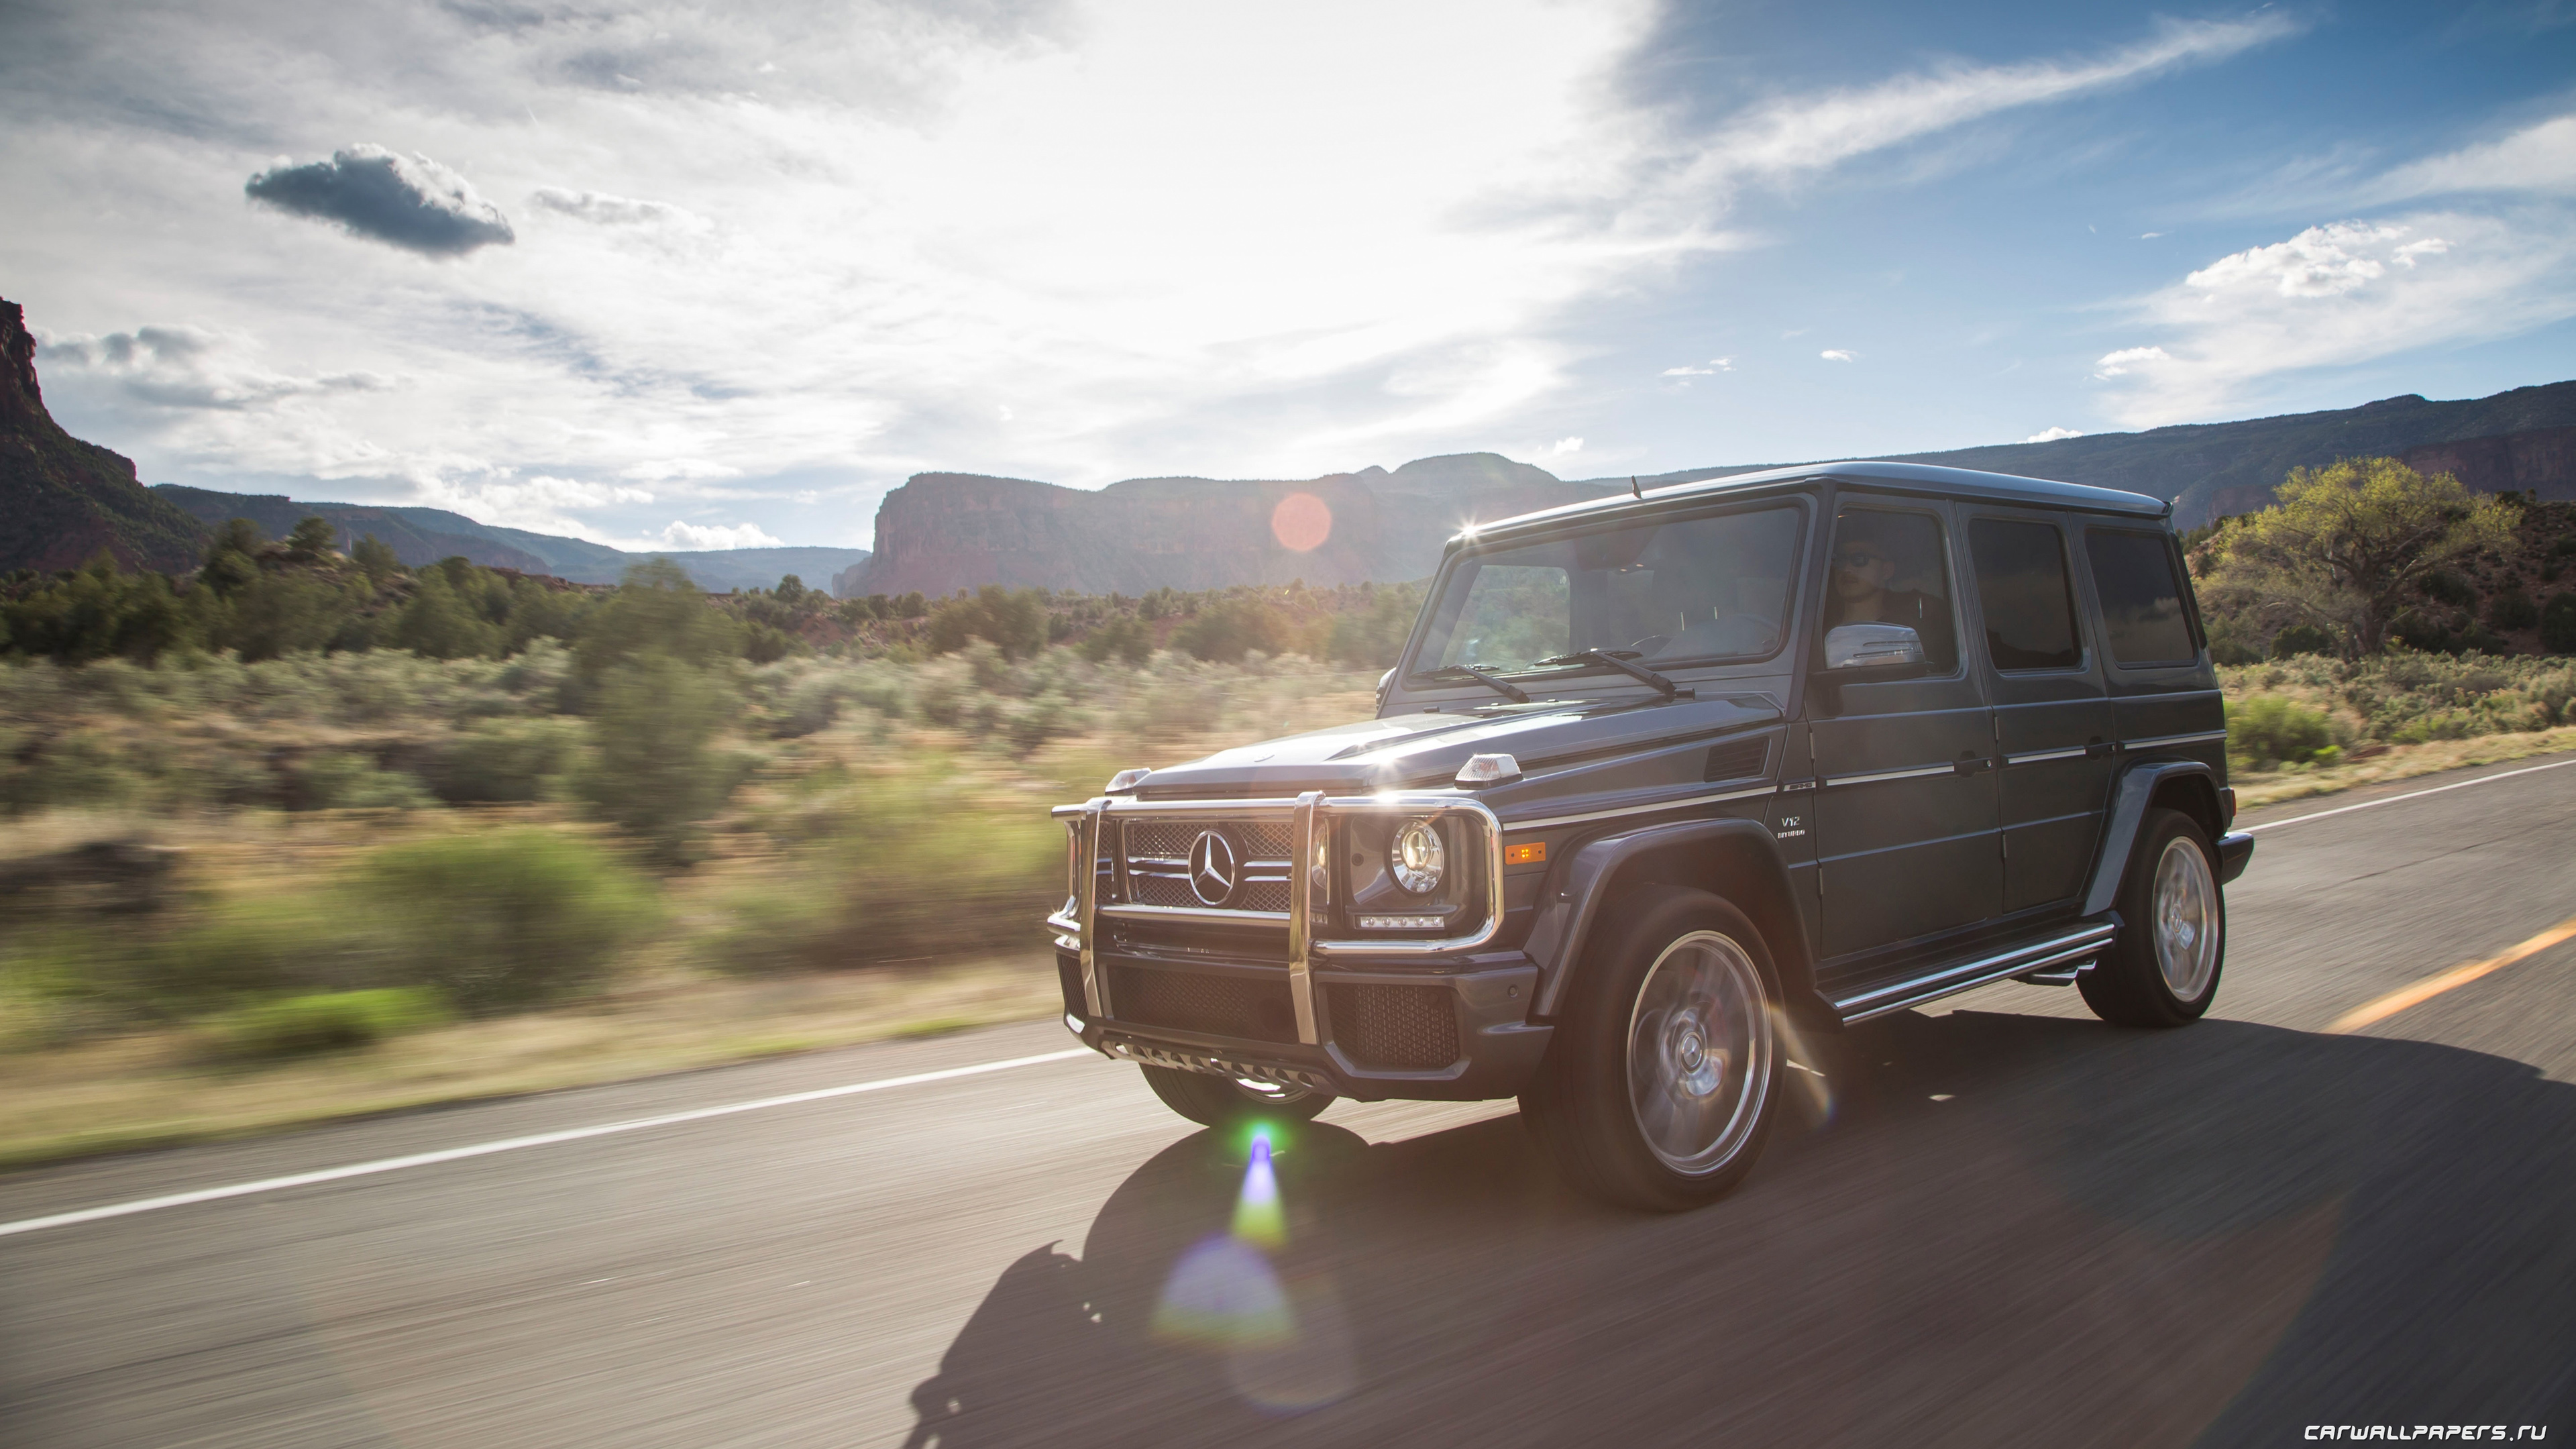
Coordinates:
(150, 1090)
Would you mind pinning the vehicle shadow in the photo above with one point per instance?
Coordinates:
(2014, 1230)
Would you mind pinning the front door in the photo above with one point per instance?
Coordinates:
(1905, 806)
(2052, 718)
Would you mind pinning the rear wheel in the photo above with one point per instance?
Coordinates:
(1214, 1101)
(1661, 1084)
(2163, 969)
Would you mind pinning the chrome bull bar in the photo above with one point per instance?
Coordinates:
(1077, 924)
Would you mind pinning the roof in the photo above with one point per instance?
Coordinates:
(1900, 477)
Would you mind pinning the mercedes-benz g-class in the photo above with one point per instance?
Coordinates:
(1662, 780)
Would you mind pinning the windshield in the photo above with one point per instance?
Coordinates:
(1689, 590)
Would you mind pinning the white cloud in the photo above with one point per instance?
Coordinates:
(2149, 235)
(2538, 158)
(1564, 446)
(603, 209)
(2117, 364)
(1715, 366)
(1836, 354)
(712, 536)
(2336, 295)
(2051, 435)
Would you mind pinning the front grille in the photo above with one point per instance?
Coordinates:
(1158, 863)
(1215, 1005)
(1409, 1028)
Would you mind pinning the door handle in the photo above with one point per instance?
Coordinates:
(1971, 762)
(2096, 747)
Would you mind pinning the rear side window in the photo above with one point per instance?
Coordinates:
(2021, 586)
(2142, 613)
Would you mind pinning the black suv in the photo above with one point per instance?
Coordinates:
(1661, 781)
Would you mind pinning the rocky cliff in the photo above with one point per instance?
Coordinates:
(62, 500)
(940, 532)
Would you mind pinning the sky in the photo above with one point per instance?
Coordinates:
(670, 275)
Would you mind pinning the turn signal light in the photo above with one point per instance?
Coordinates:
(1530, 854)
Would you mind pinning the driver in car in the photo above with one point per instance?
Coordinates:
(1864, 567)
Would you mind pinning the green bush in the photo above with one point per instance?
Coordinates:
(507, 761)
(1230, 628)
(326, 1021)
(2302, 639)
(498, 920)
(656, 774)
(2512, 609)
(1013, 620)
(2558, 625)
(2271, 729)
(340, 780)
(1122, 638)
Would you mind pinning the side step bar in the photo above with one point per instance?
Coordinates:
(2058, 957)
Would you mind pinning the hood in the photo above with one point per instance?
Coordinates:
(1418, 751)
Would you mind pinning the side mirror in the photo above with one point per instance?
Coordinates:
(1871, 646)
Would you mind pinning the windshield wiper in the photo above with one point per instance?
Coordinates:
(1616, 659)
(1505, 688)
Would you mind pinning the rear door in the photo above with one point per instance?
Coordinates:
(2163, 696)
(1905, 812)
(2052, 718)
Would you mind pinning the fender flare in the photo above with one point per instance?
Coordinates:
(1566, 920)
(2129, 798)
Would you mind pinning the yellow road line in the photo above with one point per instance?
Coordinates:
(2432, 986)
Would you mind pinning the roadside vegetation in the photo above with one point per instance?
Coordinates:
(391, 835)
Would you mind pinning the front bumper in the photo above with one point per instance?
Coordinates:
(1497, 1047)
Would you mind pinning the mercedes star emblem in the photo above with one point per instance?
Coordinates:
(1212, 868)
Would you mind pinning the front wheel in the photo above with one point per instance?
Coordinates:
(1660, 1087)
(2163, 970)
(1214, 1101)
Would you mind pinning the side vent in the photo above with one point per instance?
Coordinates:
(1737, 760)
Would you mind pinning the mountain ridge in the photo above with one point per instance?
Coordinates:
(62, 499)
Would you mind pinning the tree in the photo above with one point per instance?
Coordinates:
(657, 609)
(1014, 620)
(375, 558)
(657, 776)
(2348, 544)
(312, 541)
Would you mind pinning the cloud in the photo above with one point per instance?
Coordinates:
(714, 536)
(2537, 158)
(185, 367)
(1715, 366)
(2335, 295)
(1836, 354)
(2051, 435)
(2118, 364)
(413, 203)
(1563, 446)
(1809, 132)
(601, 209)
(2149, 235)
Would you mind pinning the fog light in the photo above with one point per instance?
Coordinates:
(1417, 858)
(1400, 923)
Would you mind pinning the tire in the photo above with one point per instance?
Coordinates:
(1214, 1101)
(2163, 970)
(1660, 1087)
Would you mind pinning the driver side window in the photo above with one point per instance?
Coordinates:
(1888, 567)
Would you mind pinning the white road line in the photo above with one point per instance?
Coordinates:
(513, 1144)
(2410, 795)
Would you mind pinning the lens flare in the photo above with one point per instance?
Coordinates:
(1809, 1083)
(1258, 1216)
(1223, 1294)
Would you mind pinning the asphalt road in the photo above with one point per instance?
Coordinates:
(2001, 1223)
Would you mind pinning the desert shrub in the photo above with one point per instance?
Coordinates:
(2558, 625)
(656, 773)
(497, 920)
(244, 947)
(1123, 638)
(1230, 628)
(342, 780)
(323, 1021)
(71, 768)
(2302, 639)
(2447, 586)
(1372, 640)
(510, 761)
(2271, 729)
(2511, 609)
(1012, 620)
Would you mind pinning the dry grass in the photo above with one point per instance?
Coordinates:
(2400, 762)
(150, 1089)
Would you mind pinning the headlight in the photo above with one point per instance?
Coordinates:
(1417, 857)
